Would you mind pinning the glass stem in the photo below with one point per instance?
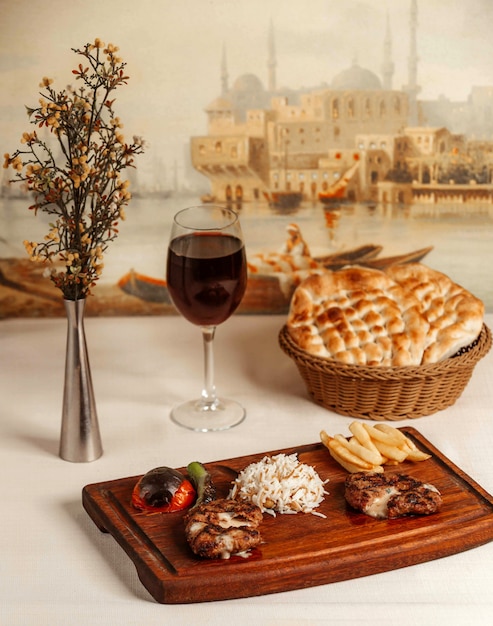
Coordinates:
(209, 398)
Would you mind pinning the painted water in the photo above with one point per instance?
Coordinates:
(462, 234)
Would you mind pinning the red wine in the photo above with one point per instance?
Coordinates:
(206, 275)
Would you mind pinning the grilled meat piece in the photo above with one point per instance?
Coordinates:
(391, 495)
(223, 527)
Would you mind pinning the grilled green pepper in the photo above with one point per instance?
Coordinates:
(202, 481)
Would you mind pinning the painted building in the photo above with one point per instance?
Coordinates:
(301, 147)
(266, 139)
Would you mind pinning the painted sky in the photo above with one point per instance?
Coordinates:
(173, 49)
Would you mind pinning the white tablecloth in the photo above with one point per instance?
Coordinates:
(57, 568)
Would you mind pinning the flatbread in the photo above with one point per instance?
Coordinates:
(407, 315)
(358, 316)
(454, 314)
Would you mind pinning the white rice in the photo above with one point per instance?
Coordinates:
(280, 483)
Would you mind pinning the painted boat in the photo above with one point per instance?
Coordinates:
(144, 287)
(336, 193)
(359, 255)
(409, 257)
(283, 199)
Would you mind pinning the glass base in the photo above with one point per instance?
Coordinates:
(202, 417)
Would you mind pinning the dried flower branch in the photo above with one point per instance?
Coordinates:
(82, 186)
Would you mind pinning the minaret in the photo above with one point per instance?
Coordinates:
(387, 64)
(412, 87)
(271, 61)
(224, 74)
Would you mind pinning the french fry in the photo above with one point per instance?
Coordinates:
(371, 455)
(391, 452)
(343, 451)
(413, 453)
(391, 439)
(362, 436)
(390, 430)
(325, 438)
(418, 455)
(350, 467)
(410, 443)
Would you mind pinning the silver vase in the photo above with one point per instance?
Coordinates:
(80, 440)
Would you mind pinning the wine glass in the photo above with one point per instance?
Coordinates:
(206, 276)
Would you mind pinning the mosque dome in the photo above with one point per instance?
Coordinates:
(247, 93)
(248, 83)
(356, 78)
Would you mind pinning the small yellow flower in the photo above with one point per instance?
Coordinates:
(17, 164)
(27, 137)
(80, 160)
(44, 106)
(53, 235)
(52, 121)
(30, 247)
(45, 82)
(76, 179)
(6, 161)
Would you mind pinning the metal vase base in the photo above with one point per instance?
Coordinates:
(80, 440)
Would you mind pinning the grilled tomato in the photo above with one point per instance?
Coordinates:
(163, 490)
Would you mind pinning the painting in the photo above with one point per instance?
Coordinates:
(342, 131)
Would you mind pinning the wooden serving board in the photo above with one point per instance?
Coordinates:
(301, 550)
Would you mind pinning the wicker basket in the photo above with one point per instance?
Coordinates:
(386, 393)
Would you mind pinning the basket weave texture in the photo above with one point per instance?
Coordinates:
(386, 393)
